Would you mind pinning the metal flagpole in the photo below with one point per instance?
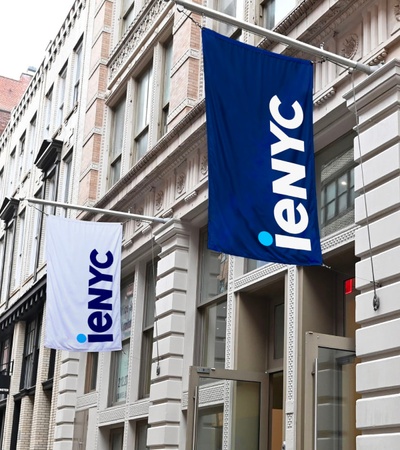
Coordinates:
(123, 215)
(276, 37)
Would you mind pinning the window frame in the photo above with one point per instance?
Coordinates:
(206, 303)
(48, 113)
(149, 308)
(77, 69)
(61, 88)
(117, 126)
(268, 12)
(119, 360)
(167, 48)
(92, 360)
(30, 356)
(347, 172)
(143, 110)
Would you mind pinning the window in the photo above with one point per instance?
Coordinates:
(67, 174)
(143, 112)
(148, 330)
(47, 119)
(119, 375)
(127, 14)
(61, 95)
(77, 73)
(12, 175)
(116, 438)
(116, 143)
(3, 240)
(31, 352)
(92, 359)
(337, 196)
(35, 242)
(213, 304)
(273, 11)
(31, 143)
(20, 244)
(80, 428)
(2, 195)
(166, 87)
(335, 184)
(120, 360)
(141, 435)
(5, 360)
(252, 264)
(227, 7)
(21, 157)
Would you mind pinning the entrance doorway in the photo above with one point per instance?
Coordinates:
(227, 409)
(330, 393)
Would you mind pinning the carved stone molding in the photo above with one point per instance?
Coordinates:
(339, 239)
(112, 415)
(191, 196)
(86, 401)
(326, 95)
(139, 409)
(135, 33)
(259, 274)
(378, 58)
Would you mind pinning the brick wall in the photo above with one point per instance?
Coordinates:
(11, 92)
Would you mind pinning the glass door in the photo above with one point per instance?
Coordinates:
(330, 393)
(226, 409)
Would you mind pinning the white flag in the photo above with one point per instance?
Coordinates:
(83, 285)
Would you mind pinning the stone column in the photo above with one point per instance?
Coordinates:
(377, 102)
(169, 335)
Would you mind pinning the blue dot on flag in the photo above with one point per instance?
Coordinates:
(265, 238)
(81, 338)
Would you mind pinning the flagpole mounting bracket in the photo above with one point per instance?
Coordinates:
(110, 212)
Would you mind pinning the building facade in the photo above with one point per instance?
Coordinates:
(218, 352)
(38, 151)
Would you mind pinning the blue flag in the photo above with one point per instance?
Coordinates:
(262, 199)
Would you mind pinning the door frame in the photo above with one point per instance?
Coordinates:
(312, 342)
(195, 373)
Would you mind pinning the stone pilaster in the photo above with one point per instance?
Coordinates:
(66, 401)
(16, 357)
(377, 207)
(165, 412)
(41, 408)
(25, 423)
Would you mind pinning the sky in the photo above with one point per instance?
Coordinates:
(26, 28)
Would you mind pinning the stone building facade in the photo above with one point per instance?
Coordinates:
(218, 351)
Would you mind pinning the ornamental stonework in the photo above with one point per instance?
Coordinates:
(349, 46)
(159, 201)
(397, 11)
(204, 165)
(180, 183)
